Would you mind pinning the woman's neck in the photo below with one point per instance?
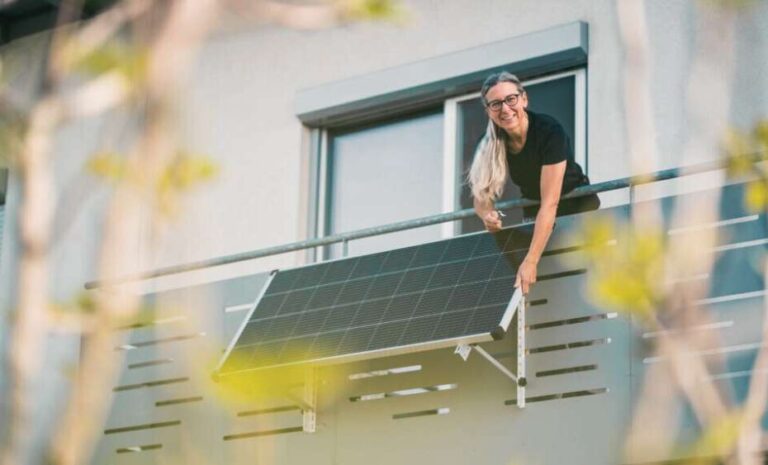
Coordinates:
(516, 139)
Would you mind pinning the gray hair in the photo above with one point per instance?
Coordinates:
(495, 78)
(489, 170)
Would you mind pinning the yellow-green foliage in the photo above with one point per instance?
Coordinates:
(13, 126)
(718, 440)
(372, 10)
(756, 196)
(109, 166)
(185, 171)
(84, 304)
(743, 153)
(260, 385)
(120, 57)
(626, 265)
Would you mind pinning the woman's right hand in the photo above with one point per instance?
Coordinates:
(491, 220)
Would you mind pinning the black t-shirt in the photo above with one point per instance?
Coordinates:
(546, 144)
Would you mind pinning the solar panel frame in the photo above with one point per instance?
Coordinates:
(240, 330)
(364, 274)
(375, 353)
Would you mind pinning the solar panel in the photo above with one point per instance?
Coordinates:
(415, 298)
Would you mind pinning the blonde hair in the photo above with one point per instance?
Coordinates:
(489, 169)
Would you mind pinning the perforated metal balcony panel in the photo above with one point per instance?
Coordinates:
(405, 300)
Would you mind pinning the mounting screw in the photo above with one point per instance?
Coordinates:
(522, 382)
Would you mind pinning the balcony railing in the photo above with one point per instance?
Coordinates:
(616, 184)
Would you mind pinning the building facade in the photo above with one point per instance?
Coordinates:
(328, 131)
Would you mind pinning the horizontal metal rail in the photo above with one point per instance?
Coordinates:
(606, 186)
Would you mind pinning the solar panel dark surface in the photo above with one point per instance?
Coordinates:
(405, 299)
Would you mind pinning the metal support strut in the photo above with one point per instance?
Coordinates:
(516, 305)
(309, 415)
(307, 400)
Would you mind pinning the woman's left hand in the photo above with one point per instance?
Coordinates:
(526, 275)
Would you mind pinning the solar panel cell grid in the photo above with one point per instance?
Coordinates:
(479, 269)
(460, 248)
(397, 260)
(325, 296)
(326, 345)
(383, 286)
(387, 335)
(340, 317)
(269, 306)
(366, 266)
(429, 254)
(370, 313)
(338, 271)
(419, 330)
(356, 340)
(437, 291)
(401, 307)
(484, 319)
(354, 291)
(431, 302)
(415, 280)
(446, 275)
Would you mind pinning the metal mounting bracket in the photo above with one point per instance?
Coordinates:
(309, 413)
(307, 401)
(517, 305)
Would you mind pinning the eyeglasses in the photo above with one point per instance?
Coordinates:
(510, 100)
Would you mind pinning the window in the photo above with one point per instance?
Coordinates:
(396, 144)
(383, 173)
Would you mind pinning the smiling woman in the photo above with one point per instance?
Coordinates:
(535, 151)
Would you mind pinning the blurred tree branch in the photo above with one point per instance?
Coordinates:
(162, 40)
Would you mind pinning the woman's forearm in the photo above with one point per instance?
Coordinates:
(542, 229)
(487, 213)
(482, 208)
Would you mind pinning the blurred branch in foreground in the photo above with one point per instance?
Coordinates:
(134, 55)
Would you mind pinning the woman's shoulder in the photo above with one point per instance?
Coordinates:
(545, 122)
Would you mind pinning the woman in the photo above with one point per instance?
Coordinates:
(536, 152)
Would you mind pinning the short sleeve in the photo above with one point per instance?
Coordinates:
(555, 147)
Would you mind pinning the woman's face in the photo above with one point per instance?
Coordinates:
(509, 118)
